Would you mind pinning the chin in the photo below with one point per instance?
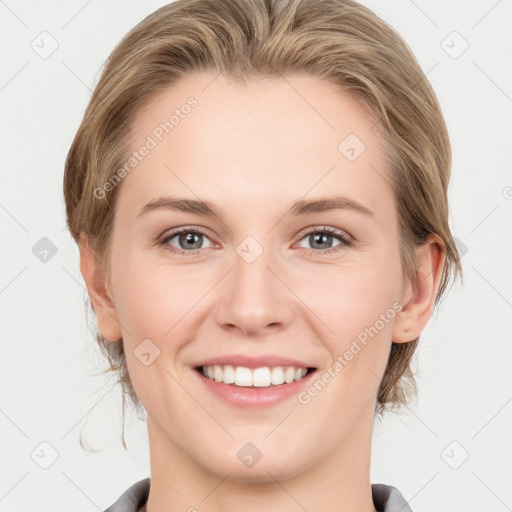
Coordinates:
(272, 466)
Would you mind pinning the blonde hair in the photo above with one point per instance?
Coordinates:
(337, 40)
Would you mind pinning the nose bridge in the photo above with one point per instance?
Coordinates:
(254, 297)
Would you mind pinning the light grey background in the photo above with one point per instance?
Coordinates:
(48, 391)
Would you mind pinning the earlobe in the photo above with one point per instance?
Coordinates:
(420, 295)
(102, 304)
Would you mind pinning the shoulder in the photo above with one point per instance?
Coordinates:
(388, 498)
(133, 498)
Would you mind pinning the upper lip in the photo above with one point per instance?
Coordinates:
(253, 361)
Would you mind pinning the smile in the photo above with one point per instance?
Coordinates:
(261, 377)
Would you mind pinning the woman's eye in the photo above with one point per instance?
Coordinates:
(185, 241)
(190, 241)
(322, 240)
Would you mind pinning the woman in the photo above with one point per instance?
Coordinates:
(259, 194)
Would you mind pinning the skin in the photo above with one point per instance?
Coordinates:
(252, 151)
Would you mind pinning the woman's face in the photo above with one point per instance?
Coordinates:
(257, 279)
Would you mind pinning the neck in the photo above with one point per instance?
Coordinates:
(341, 481)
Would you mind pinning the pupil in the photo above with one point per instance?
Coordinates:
(190, 237)
(321, 239)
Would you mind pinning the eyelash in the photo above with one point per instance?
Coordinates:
(345, 240)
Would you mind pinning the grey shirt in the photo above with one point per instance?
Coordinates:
(386, 498)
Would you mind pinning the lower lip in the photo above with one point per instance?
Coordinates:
(253, 397)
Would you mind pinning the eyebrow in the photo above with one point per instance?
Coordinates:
(301, 207)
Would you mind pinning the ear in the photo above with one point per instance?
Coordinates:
(419, 296)
(102, 304)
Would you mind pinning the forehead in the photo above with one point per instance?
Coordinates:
(287, 137)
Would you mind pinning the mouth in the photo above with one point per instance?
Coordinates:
(262, 377)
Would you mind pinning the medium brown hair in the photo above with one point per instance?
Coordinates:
(337, 40)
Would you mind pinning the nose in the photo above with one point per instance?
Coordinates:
(254, 299)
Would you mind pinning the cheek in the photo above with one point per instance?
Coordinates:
(147, 306)
(153, 304)
(351, 297)
(359, 304)
(151, 293)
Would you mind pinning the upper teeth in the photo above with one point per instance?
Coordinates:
(259, 377)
